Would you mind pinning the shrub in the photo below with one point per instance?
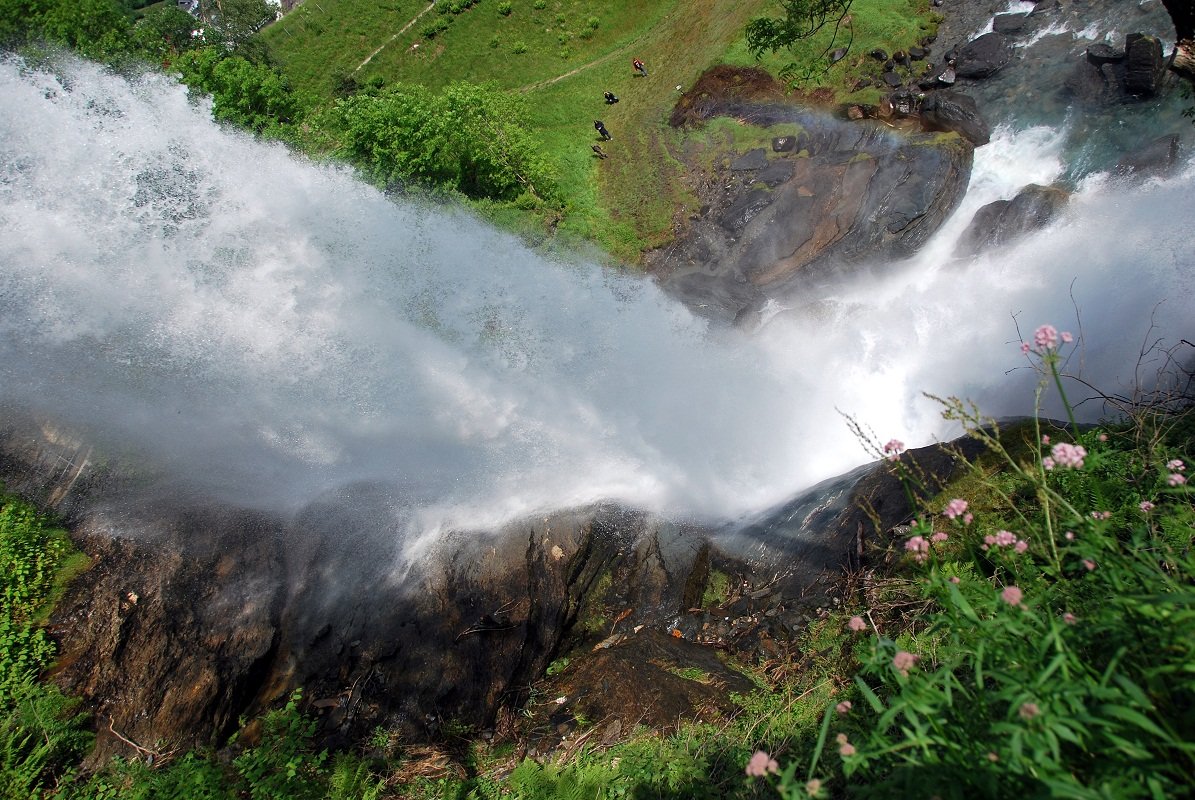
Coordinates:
(518, 48)
(504, 8)
(540, 5)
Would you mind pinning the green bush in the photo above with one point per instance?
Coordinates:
(504, 8)
(518, 48)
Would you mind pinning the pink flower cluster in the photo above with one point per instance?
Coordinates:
(1146, 506)
(919, 547)
(1012, 595)
(1176, 479)
(857, 624)
(761, 764)
(903, 661)
(1176, 465)
(845, 748)
(1046, 338)
(893, 448)
(1004, 539)
(957, 508)
(843, 708)
(1065, 455)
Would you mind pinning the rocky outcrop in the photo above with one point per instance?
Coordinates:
(194, 615)
(1159, 157)
(955, 112)
(983, 56)
(1108, 76)
(1004, 221)
(832, 194)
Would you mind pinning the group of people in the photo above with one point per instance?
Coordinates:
(611, 99)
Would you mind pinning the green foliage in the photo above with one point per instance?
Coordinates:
(97, 29)
(435, 28)
(1053, 653)
(284, 763)
(518, 48)
(234, 22)
(243, 93)
(41, 731)
(468, 138)
(164, 31)
(504, 8)
(802, 19)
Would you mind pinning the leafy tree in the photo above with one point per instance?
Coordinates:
(469, 138)
(243, 93)
(802, 20)
(232, 23)
(164, 31)
(98, 29)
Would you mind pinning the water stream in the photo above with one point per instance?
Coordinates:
(246, 324)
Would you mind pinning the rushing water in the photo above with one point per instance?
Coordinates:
(252, 325)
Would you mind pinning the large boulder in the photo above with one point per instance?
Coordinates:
(1144, 65)
(983, 57)
(853, 193)
(952, 111)
(1004, 221)
(1159, 157)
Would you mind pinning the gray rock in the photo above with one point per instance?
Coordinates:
(1159, 157)
(984, 56)
(1144, 65)
(1005, 221)
(952, 111)
(754, 159)
(1009, 23)
(1103, 53)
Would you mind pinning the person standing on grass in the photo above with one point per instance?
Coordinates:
(600, 127)
(610, 98)
(638, 65)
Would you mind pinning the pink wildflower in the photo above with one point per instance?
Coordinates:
(1046, 338)
(940, 536)
(1025, 348)
(1069, 618)
(812, 787)
(1047, 463)
(845, 748)
(1066, 337)
(856, 623)
(1176, 465)
(918, 546)
(967, 518)
(993, 757)
(955, 508)
(903, 661)
(1000, 539)
(1088, 564)
(1021, 546)
(761, 764)
(1146, 506)
(1012, 595)
(1103, 437)
(893, 449)
(1101, 514)
(843, 708)
(1045, 439)
(1176, 479)
(1069, 456)
(954, 579)
(1069, 536)
(1028, 711)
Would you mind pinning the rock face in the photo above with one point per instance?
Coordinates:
(1159, 157)
(952, 111)
(1005, 221)
(838, 194)
(193, 615)
(1109, 77)
(984, 56)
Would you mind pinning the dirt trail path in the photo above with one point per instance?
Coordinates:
(384, 44)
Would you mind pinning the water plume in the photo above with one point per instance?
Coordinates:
(270, 331)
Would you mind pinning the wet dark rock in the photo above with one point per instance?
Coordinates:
(859, 193)
(879, 55)
(838, 55)
(776, 173)
(1144, 65)
(1103, 53)
(1009, 23)
(901, 58)
(1158, 158)
(892, 79)
(1044, 7)
(952, 111)
(1005, 221)
(984, 56)
(784, 144)
(753, 159)
(918, 53)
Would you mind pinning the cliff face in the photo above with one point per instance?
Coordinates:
(826, 198)
(194, 615)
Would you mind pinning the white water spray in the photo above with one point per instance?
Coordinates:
(271, 330)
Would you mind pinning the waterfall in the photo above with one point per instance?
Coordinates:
(234, 319)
